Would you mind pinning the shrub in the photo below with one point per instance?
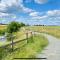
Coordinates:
(13, 27)
(2, 32)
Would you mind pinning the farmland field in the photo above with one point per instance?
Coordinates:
(53, 30)
(2, 27)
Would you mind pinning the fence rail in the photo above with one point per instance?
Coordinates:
(16, 42)
(13, 43)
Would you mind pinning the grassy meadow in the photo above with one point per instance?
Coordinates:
(3, 27)
(29, 50)
(52, 30)
(23, 49)
(35, 45)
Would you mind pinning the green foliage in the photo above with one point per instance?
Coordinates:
(2, 32)
(22, 24)
(13, 27)
(9, 36)
(29, 50)
(1, 53)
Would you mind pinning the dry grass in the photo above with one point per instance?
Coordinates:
(3, 27)
(53, 30)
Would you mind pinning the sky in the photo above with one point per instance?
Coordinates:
(31, 12)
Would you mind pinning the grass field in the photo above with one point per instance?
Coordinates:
(53, 30)
(34, 46)
(29, 50)
(18, 36)
(2, 27)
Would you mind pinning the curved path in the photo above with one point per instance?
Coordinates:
(52, 51)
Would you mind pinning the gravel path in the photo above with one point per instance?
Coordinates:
(52, 51)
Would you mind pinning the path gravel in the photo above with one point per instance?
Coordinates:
(52, 51)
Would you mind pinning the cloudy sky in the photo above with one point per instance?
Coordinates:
(30, 11)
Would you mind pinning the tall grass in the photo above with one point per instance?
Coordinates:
(29, 50)
(52, 30)
(2, 27)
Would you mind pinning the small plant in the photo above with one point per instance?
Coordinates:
(2, 32)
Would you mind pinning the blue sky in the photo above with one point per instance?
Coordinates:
(31, 12)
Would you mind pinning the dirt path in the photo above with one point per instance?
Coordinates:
(52, 51)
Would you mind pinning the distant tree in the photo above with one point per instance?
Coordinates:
(22, 24)
(27, 25)
(14, 26)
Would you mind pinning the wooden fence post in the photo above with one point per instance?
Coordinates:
(27, 36)
(12, 45)
(31, 36)
(12, 42)
(31, 33)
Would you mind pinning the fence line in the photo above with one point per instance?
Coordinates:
(25, 39)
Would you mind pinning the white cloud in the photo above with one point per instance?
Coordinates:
(9, 2)
(7, 16)
(3, 14)
(43, 17)
(39, 17)
(41, 1)
(27, 10)
(48, 15)
(53, 13)
(2, 7)
(17, 4)
(5, 4)
(34, 14)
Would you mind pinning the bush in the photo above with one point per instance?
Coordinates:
(2, 32)
(13, 27)
(22, 24)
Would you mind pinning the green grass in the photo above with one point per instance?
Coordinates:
(18, 36)
(2, 29)
(52, 30)
(30, 49)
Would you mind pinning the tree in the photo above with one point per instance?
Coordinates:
(13, 27)
(22, 24)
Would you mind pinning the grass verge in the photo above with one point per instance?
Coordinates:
(34, 46)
